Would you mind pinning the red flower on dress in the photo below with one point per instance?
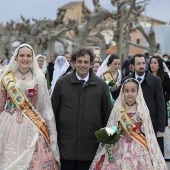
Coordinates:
(31, 93)
(136, 129)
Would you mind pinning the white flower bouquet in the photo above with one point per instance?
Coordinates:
(108, 136)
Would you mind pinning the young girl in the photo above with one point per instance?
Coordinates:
(138, 149)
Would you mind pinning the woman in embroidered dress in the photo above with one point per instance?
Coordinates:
(111, 66)
(138, 148)
(28, 137)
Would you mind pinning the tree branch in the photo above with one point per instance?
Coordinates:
(139, 46)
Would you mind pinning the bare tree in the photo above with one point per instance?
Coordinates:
(149, 37)
(132, 23)
(61, 28)
(91, 21)
(6, 43)
(42, 33)
(126, 10)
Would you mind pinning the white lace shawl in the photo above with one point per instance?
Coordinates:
(60, 67)
(43, 103)
(44, 66)
(142, 110)
(103, 67)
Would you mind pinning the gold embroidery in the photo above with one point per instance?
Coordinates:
(24, 105)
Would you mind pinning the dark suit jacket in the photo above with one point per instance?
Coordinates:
(50, 68)
(166, 90)
(154, 98)
(126, 65)
(166, 86)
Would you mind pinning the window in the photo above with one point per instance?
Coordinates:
(158, 47)
(138, 41)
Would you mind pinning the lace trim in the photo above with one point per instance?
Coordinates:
(27, 85)
(142, 110)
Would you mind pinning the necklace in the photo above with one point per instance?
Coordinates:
(130, 104)
(114, 75)
(23, 74)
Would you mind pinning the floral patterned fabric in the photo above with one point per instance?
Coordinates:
(22, 147)
(128, 154)
(142, 112)
(42, 157)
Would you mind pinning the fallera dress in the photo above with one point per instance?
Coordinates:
(21, 144)
(128, 154)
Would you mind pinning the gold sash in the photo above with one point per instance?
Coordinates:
(129, 127)
(108, 77)
(24, 105)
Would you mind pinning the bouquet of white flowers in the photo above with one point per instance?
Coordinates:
(108, 136)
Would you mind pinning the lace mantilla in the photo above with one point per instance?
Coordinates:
(143, 112)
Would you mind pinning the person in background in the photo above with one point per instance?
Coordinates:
(131, 66)
(156, 67)
(67, 56)
(45, 59)
(81, 105)
(126, 65)
(166, 60)
(153, 95)
(2, 63)
(137, 149)
(109, 70)
(7, 59)
(97, 58)
(165, 57)
(147, 56)
(43, 66)
(50, 66)
(60, 68)
(28, 136)
(96, 66)
(41, 62)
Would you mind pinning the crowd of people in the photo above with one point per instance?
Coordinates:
(50, 111)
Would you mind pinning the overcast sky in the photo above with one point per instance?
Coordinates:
(12, 9)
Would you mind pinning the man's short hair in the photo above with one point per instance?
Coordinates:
(81, 52)
(135, 56)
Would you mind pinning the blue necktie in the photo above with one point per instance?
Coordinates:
(82, 81)
(139, 79)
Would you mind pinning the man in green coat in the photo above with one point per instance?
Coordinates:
(81, 105)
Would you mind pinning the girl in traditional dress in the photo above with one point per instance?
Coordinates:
(28, 137)
(137, 149)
